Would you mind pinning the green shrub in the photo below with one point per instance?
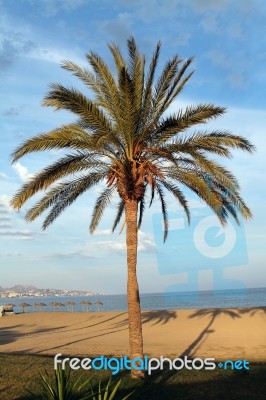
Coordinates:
(62, 387)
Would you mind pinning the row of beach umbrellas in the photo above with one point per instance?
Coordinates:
(70, 304)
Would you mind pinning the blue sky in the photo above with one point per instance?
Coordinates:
(227, 39)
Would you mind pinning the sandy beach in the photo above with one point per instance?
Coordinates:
(220, 333)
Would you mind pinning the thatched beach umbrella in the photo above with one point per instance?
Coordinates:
(71, 305)
(53, 304)
(41, 305)
(99, 303)
(56, 304)
(9, 305)
(24, 305)
(85, 303)
(60, 305)
(35, 305)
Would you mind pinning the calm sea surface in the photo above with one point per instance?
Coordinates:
(151, 301)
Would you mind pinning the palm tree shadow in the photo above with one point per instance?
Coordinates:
(157, 317)
(212, 313)
(9, 335)
(252, 310)
(13, 334)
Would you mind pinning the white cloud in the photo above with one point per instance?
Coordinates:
(19, 234)
(103, 232)
(7, 231)
(5, 201)
(22, 171)
(110, 245)
(102, 248)
(16, 40)
(118, 28)
(54, 55)
(3, 175)
(4, 224)
(76, 254)
(146, 242)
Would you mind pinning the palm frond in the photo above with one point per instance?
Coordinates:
(218, 142)
(136, 72)
(173, 89)
(127, 95)
(109, 87)
(117, 55)
(62, 196)
(66, 137)
(141, 211)
(73, 100)
(199, 185)
(89, 79)
(178, 83)
(164, 210)
(178, 195)
(183, 120)
(71, 164)
(148, 90)
(119, 214)
(102, 201)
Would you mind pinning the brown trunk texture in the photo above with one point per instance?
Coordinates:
(133, 300)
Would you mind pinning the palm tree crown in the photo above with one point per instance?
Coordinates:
(123, 138)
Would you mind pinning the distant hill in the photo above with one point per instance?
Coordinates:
(22, 288)
(33, 291)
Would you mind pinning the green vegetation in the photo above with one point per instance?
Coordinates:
(63, 386)
(21, 372)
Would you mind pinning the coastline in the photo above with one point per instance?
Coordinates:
(230, 298)
(226, 333)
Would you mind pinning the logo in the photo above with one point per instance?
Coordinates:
(145, 364)
(203, 245)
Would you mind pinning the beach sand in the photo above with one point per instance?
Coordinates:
(220, 333)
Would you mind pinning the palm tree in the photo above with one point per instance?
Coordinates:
(122, 137)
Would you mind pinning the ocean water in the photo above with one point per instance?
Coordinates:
(152, 301)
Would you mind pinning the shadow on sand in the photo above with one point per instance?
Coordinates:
(162, 317)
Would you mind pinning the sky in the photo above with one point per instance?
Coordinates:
(227, 40)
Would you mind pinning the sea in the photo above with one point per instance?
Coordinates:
(149, 301)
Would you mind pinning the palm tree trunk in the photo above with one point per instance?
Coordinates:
(133, 300)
